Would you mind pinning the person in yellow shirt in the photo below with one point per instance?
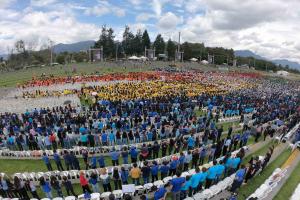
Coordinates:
(135, 174)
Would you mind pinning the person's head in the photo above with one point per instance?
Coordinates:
(197, 169)
(146, 163)
(178, 173)
(187, 178)
(54, 151)
(81, 173)
(143, 197)
(204, 169)
(243, 166)
(134, 165)
(65, 178)
(111, 197)
(127, 197)
(52, 178)
(44, 154)
(221, 162)
(215, 162)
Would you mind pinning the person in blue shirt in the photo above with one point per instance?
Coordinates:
(154, 171)
(57, 160)
(221, 169)
(46, 188)
(202, 178)
(181, 161)
(202, 155)
(235, 163)
(125, 155)
(94, 182)
(194, 181)
(104, 139)
(191, 142)
(101, 161)
(93, 161)
(211, 174)
(112, 138)
(124, 175)
(46, 160)
(186, 188)
(133, 154)
(176, 184)
(239, 178)
(164, 169)
(173, 166)
(228, 164)
(160, 193)
(115, 157)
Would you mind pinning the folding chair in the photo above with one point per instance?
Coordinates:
(118, 194)
(95, 196)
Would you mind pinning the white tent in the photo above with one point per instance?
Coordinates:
(205, 62)
(194, 59)
(143, 58)
(283, 73)
(133, 58)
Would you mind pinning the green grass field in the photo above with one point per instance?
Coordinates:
(290, 185)
(254, 183)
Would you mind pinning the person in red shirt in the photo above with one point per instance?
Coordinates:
(84, 183)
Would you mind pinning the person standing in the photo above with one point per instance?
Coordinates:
(68, 186)
(135, 174)
(94, 182)
(176, 184)
(84, 183)
(239, 178)
(46, 188)
(46, 160)
(56, 186)
(57, 160)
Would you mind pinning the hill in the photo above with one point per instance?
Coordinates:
(74, 47)
(282, 62)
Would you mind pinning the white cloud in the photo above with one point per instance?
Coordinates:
(6, 3)
(42, 3)
(168, 21)
(104, 8)
(144, 17)
(157, 7)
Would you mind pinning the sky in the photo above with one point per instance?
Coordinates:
(269, 28)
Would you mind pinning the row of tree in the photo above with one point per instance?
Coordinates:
(132, 44)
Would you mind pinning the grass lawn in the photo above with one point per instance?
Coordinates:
(290, 185)
(254, 183)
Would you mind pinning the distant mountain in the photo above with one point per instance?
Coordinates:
(247, 53)
(283, 62)
(74, 47)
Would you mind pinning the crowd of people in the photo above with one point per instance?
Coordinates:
(158, 108)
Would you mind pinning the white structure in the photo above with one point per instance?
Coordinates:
(205, 62)
(193, 59)
(283, 73)
(133, 58)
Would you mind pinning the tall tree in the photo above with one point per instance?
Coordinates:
(171, 48)
(127, 42)
(159, 44)
(137, 43)
(146, 40)
(106, 40)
